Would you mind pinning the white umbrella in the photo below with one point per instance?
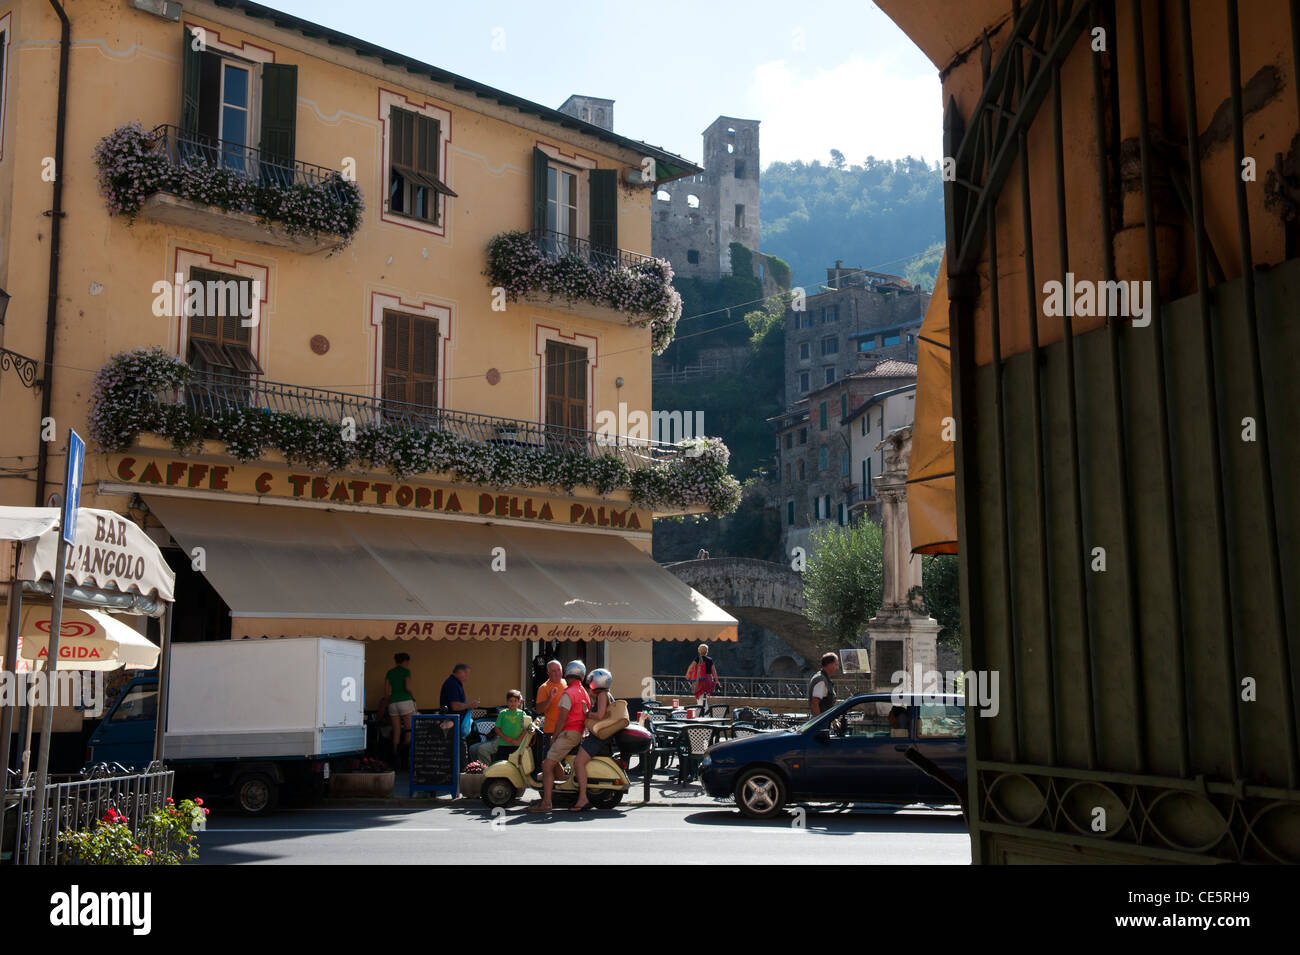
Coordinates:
(88, 640)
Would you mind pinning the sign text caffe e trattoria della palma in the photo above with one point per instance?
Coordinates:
(443, 571)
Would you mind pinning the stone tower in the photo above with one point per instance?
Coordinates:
(696, 219)
(590, 109)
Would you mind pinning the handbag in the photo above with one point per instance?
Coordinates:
(615, 720)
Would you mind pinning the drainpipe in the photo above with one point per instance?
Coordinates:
(56, 217)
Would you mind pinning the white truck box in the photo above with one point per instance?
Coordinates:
(265, 699)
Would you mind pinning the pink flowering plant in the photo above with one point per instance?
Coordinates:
(643, 292)
(133, 165)
(143, 390)
(164, 836)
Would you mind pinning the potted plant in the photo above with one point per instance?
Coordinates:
(471, 780)
(365, 777)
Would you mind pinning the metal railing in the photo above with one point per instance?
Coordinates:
(556, 244)
(183, 148)
(214, 393)
(80, 804)
(759, 687)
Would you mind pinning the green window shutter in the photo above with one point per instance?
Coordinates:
(191, 64)
(604, 208)
(279, 111)
(540, 164)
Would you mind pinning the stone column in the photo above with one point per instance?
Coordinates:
(900, 636)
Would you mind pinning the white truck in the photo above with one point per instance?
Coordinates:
(245, 717)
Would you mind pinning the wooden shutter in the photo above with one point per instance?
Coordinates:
(426, 146)
(410, 372)
(603, 188)
(191, 65)
(279, 111)
(540, 164)
(566, 386)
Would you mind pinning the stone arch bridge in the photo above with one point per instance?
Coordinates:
(758, 591)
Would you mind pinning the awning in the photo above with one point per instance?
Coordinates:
(88, 640)
(111, 552)
(931, 486)
(302, 572)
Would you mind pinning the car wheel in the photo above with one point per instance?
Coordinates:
(256, 794)
(760, 793)
(499, 792)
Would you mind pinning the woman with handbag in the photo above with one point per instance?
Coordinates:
(600, 742)
(703, 673)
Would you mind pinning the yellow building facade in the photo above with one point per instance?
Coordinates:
(393, 328)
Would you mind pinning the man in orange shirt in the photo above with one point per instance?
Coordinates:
(548, 707)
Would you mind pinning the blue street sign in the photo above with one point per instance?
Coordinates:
(72, 486)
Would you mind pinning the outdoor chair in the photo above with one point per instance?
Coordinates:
(695, 742)
(719, 710)
(741, 730)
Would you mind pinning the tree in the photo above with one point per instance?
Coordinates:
(943, 596)
(842, 584)
(837, 159)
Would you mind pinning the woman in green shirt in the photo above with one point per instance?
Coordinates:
(401, 701)
(510, 725)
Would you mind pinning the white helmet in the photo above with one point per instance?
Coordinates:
(601, 679)
(576, 668)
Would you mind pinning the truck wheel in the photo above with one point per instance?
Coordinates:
(760, 793)
(498, 792)
(256, 794)
(605, 798)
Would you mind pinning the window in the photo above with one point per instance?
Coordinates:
(789, 441)
(140, 704)
(833, 313)
(821, 458)
(866, 490)
(410, 359)
(804, 351)
(822, 416)
(830, 374)
(830, 346)
(692, 201)
(845, 464)
(566, 386)
(868, 720)
(787, 474)
(801, 469)
(941, 721)
(844, 405)
(789, 513)
(866, 419)
(803, 435)
(841, 514)
(232, 106)
(562, 201)
(740, 169)
(803, 381)
(740, 216)
(890, 340)
(826, 507)
(693, 256)
(221, 324)
(414, 185)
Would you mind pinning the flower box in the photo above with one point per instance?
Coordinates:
(362, 784)
(471, 785)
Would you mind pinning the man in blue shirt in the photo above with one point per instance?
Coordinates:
(452, 699)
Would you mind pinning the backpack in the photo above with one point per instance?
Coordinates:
(615, 719)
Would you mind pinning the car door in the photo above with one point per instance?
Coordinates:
(127, 735)
(857, 756)
(940, 737)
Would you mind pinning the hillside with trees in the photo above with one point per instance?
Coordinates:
(880, 215)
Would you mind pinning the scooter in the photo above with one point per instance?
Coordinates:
(506, 780)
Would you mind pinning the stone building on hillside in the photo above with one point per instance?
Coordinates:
(694, 220)
(858, 315)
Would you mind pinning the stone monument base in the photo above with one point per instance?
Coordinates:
(902, 642)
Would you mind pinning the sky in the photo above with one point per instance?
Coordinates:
(820, 75)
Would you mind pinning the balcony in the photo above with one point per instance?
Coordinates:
(153, 391)
(186, 179)
(553, 270)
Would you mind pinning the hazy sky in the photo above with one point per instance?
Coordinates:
(820, 74)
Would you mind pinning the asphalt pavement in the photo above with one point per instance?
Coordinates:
(701, 834)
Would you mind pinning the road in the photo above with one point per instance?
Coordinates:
(649, 834)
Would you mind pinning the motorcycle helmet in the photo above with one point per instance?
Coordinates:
(575, 668)
(601, 679)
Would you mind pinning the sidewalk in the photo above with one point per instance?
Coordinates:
(664, 791)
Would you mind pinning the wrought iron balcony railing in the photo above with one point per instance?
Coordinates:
(211, 393)
(556, 244)
(186, 148)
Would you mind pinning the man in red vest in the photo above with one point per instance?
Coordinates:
(574, 706)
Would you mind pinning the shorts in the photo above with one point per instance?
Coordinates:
(595, 746)
(564, 744)
(401, 708)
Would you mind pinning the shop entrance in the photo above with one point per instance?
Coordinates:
(593, 653)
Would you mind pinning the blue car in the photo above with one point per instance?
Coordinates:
(855, 752)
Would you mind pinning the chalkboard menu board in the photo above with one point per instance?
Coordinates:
(435, 754)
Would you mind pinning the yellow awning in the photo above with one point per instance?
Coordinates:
(289, 572)
(931, 488)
